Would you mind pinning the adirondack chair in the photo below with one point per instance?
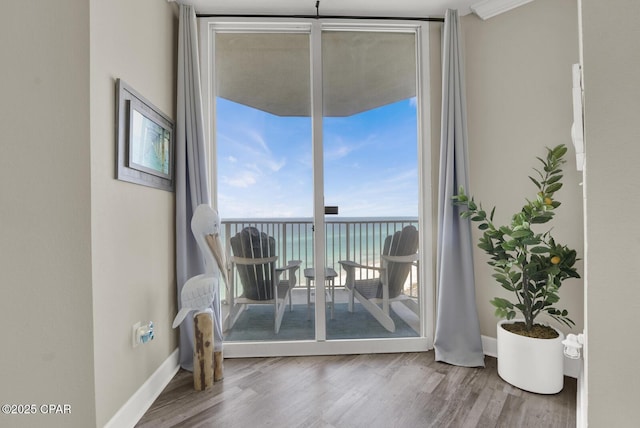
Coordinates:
(376, 294)
(255, 261)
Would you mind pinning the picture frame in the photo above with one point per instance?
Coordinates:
(145, 141)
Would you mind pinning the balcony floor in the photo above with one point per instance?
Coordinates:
(257, 322)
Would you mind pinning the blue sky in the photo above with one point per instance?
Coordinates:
(265, 165)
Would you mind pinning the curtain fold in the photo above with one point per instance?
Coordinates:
(457, 338)
(192, 185)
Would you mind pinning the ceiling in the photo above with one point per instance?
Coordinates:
(386, 8)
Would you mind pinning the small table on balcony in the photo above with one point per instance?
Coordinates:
(329, 276)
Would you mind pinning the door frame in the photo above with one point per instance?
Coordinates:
(314, 27)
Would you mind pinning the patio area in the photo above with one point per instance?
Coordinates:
(359, 240)
(256, 323)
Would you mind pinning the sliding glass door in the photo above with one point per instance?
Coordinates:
(371, 173)
(320, 168)
(264, 181)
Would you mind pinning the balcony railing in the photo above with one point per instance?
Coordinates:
(358, 239)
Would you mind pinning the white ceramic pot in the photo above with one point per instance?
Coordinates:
(535, 365)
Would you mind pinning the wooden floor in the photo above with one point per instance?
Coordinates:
(380, 390)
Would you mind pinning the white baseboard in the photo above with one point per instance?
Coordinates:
(133, 410)
(490, 348)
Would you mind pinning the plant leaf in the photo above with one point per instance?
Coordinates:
(554, 187)
(554, 178)
(535, 182)
(521, 234)
(539, 250)
(559, 151)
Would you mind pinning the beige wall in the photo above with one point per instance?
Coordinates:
(45, 229)
(612, 132)
(132, 225)
(518, 67)
(84, 256)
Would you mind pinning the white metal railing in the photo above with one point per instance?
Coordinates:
(358, 239)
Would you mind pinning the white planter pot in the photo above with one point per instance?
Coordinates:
(535, 365)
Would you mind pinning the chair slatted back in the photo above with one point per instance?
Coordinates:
(257, 280)
(402, 243)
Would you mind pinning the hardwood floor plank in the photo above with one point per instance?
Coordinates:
(359, 391)
(479, 405)
(491, 414)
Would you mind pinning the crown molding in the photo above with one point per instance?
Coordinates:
(489, 8)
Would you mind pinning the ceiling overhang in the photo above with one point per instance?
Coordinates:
(361, 71)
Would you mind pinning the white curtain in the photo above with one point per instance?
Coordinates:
(192, 185)
(457, 338)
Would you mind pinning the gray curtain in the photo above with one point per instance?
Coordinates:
(192, 186)
(457, 338)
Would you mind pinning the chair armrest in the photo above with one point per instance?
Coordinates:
(293, 264)
(348, 264)
(250, 261)
(401, 259)
(292, 267)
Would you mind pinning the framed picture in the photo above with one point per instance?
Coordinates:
(145, 146)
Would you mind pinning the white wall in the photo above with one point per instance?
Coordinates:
(612, 131)
(45, 213)
(132, 226)
(518, 68)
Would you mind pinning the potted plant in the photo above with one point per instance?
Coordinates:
(531, 265)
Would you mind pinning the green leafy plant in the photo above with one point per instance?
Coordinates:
(530, 264)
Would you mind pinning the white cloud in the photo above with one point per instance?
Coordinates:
(379, 195)
(241, 179)
(258, 139)
(276, 166)
(250, 149)
(338, 152)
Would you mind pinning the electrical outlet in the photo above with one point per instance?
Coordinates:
(146, 333)
(141, 334)
(135, 336)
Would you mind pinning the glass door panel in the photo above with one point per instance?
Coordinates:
(264, 181)
(370, 140)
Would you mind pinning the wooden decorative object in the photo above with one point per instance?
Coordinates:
(203, 360)
(218, 371)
